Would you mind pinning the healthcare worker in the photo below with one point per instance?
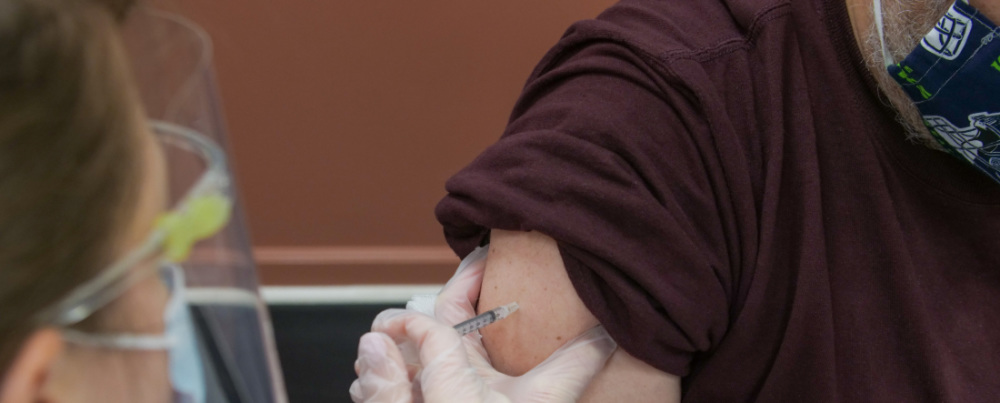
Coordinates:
(124, 267)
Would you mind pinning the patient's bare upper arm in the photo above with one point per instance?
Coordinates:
(525, 267)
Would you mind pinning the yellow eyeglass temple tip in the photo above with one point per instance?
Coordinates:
(203, 217)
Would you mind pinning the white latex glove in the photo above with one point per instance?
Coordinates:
(413, 357)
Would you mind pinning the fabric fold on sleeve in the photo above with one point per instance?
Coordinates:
(611, 161)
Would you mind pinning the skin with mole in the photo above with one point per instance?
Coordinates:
(527, 267)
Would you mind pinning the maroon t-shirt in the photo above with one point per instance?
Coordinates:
(735, 204)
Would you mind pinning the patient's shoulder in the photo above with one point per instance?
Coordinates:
(525, 267)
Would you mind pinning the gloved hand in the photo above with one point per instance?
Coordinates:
(412, 356)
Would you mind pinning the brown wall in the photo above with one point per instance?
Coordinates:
(347, 117)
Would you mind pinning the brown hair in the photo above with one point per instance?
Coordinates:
(69, 159)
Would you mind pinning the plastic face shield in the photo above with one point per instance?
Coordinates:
(171, 59)
(204, 234)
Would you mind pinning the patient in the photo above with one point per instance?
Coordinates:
(723, 187)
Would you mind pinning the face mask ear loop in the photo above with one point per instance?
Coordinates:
(119, 341)
(877, 9)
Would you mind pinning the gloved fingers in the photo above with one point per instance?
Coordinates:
(409, 351)
(457, 300)
(411, 356)
(447, 379)
(387, 316)
(453, 369)
(480, 360)
(356, 395)
(473, 341)
(565, 374)
(392, 322)
(446, 373)
(431, 337)
(474, 348)
(382, 374)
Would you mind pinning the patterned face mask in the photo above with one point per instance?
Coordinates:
(953, 77)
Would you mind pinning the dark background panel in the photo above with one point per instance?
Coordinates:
(317, 346)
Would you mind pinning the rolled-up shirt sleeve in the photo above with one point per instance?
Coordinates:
(610, 156)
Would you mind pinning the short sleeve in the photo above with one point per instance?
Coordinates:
(612, 157)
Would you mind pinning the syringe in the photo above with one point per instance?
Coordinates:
(480, 321)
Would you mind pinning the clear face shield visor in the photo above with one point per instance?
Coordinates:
(218, 334)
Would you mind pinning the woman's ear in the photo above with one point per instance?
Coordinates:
(25, 380)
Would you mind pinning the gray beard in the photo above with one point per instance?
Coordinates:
(905, 22)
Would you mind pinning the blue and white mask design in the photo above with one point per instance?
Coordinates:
(953, 77)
